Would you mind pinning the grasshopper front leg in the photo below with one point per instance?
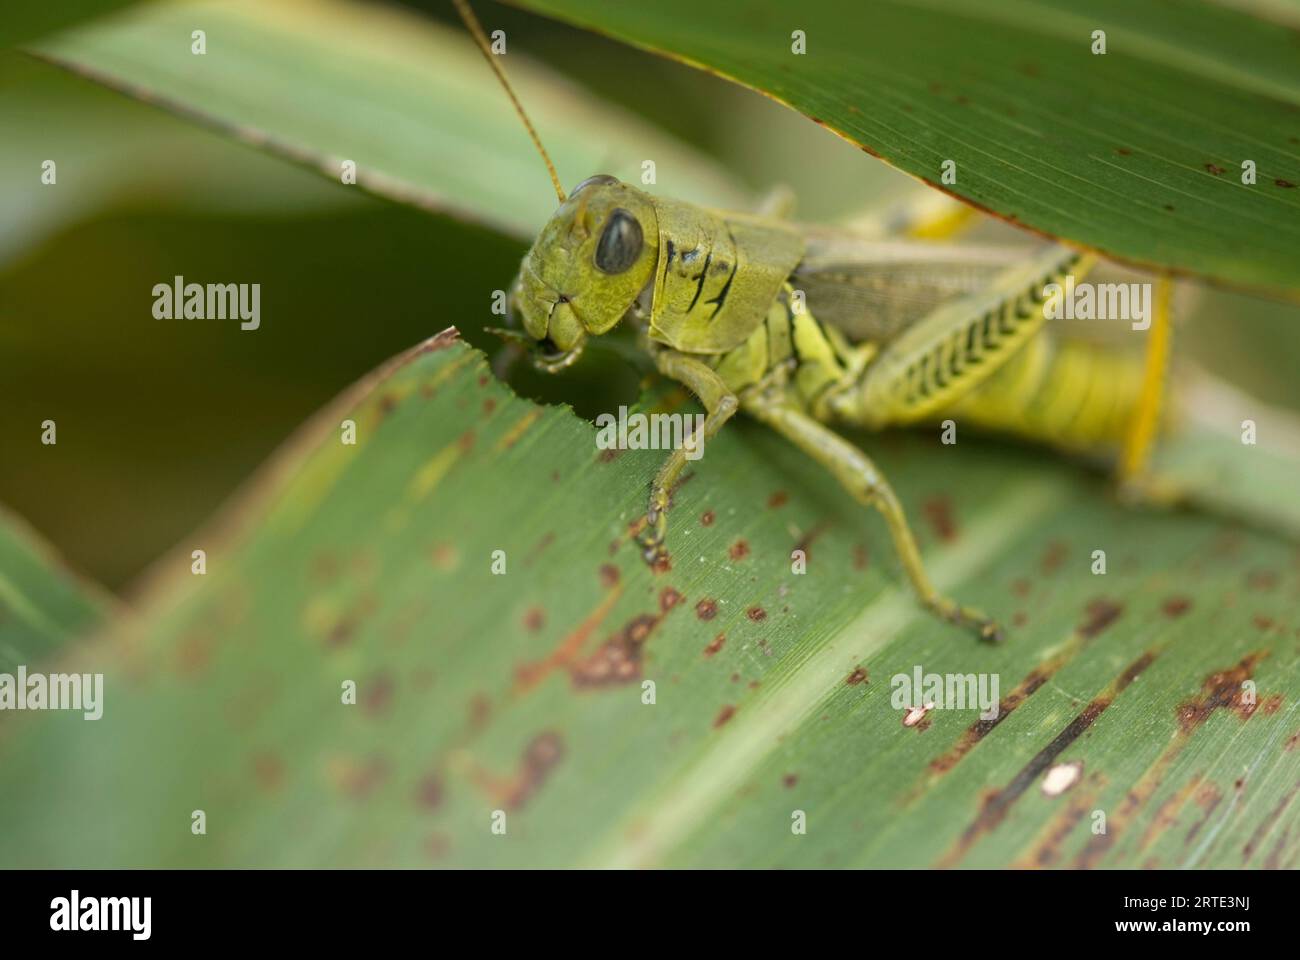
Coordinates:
(720, 403)
(864, 482)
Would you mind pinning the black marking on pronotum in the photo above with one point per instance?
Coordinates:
(671, 250)
(699, 287)
(721, 298)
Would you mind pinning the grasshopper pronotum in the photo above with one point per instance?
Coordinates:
(801, 326)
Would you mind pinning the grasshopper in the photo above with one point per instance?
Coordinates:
(800, 327)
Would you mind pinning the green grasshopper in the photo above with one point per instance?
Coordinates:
(803, 326)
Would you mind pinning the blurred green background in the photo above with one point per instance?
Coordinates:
(159, 421)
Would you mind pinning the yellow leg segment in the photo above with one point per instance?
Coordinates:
(1135, 456)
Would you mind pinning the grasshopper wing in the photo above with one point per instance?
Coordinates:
(874, 289)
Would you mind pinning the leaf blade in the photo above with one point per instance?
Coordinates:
(1048, 140)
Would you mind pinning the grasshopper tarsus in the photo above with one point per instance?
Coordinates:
(652, 548)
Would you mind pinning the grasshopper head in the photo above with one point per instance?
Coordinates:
(587, 267)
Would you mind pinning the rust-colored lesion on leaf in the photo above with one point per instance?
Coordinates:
(998, 803)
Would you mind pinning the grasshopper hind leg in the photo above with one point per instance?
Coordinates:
(864, 482)
(1136, 483)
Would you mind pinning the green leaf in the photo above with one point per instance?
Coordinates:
(410, 102)
(24, 22)
(523, 691)
(42, 605)
(110, 151)
(1137, 153)
(1218, 462)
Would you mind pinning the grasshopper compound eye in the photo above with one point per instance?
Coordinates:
(620, 243)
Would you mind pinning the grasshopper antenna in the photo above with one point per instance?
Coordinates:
(476, 29)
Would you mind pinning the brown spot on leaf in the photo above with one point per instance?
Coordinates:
(859, 675)
(1047, 850)
(726, 713)
(618, 659)
(534, 619)
(861, 558)
(789, 780)
(539, 548)
(480, 709)
(608, 575)
(1098, 615)
(443, 556)
(429, 792)
(806, 541)
(1214, 168)
(1262, 580)
(706, 609)
(938, 513)
(1174, 607)
(194, 651)
(377, 694)
(1274, 859)
(669, 598)
(1208, 799)
(1285, 184)
(707, 518)
(540, 757)
(1166, 815)
(739, 550)
(1053, 557)
(756, 614)
(1220, 690)
(325, 567)
(778, 499)
(268, 770)
(715, 644)
(530, 675)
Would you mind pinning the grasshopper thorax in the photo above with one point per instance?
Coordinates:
(586, 268)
